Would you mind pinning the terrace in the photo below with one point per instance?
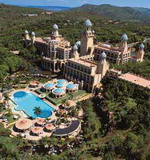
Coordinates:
(60, 90)
(135, 79)
(76, 96)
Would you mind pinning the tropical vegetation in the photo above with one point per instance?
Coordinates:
(37, 110)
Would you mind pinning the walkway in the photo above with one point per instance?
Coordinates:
(74, 126)
(132, 78)
(84, 98)
(135, 79)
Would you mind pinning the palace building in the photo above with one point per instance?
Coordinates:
(85, 63)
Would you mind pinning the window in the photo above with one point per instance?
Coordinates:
(84, 78)
(89, 71)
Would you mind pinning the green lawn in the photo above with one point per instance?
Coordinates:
(74, 96)
(9, 117)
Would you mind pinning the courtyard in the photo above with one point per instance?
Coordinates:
(76, 96)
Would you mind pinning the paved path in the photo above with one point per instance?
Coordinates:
(12, 123)
(84, 98)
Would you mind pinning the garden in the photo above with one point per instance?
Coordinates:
(69, 96)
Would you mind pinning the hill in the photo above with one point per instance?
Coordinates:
(114, 12)
(73, 19)
(145, 11)
(16, 10)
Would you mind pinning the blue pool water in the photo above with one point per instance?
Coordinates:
(58, 90)
(48, 85)
(61, 81)
(70, 86)
(59, 85)
(26, 101)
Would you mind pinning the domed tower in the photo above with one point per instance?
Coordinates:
(88, 24)
(103, 65)
(26, 35)
(78, 43)
(124, 44)
(75, 52)
(103, 56)
(140, 54)
(32, 37)
(87, 39)
(55, 33)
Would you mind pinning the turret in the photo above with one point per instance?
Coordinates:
(81, 84)
(103, 57)
(140, 54)
(124, 44)
(26, 35)
(88, 24)
(32, 37)
(52, 49)
(87, 39)
(75, 52)
(78, 43)
(141, 47)
(55, 33)
(103, 65)
(55, 27)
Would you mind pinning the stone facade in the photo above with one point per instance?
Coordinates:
(84, 63)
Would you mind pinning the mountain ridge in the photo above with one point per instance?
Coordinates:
(114, 12)
(142, 10)
(145, 11)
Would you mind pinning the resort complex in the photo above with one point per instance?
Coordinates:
(51, 108)
(47, 109)
(73, 88)
(85, 63)
(56, 50)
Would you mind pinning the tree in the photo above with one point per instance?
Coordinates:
(4, 131)
(70, 96)
(37, 110)
(64, 102)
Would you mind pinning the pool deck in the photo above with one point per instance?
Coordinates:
(27, 134)
(49, 103)
(72, 130)
(21, 113)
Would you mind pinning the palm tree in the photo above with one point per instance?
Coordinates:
(63, 102)
(6, 98)
(70, 96)
(37, 110)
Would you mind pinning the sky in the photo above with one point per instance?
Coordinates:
(75, 3)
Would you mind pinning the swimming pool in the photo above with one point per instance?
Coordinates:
(71, 86)
(49, 85)
(58, 91)
(27, 101)
(61, 81)
(59, 85)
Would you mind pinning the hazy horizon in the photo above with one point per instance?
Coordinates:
(72, 3)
